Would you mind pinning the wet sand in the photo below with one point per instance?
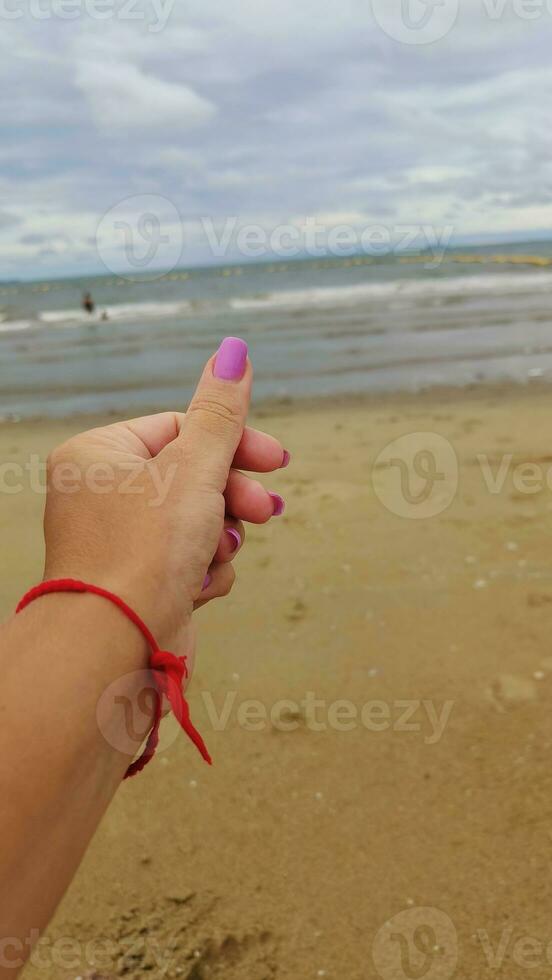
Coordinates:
(429, 786)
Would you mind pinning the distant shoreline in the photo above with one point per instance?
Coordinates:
(251, 263)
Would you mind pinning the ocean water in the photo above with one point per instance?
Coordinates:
(314, 328)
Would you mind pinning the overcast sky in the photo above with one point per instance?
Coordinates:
(266, 112)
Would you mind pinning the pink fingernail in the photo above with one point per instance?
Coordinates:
(231, 359)
(279, 504)
(235, 538)
(285, 460)
(207, 581)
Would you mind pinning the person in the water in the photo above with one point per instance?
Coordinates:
(88, 303)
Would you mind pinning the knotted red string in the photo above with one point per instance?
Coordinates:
(168, 671)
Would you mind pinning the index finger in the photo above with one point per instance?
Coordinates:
(260, 453)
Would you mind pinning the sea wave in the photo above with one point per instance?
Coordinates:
(472, 285)
(432, 289)
(15, 326)
(118, 312)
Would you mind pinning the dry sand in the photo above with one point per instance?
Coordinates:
(287, 857)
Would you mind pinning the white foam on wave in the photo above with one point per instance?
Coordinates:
(115, 312)
(15, 326)
(424, 287)
(500, 284)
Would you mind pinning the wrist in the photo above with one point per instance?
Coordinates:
(89, 629)
(91, 663)
(164, 674)
(166, 615)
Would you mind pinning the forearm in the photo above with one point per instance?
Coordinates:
(64, 742)
(59, 767)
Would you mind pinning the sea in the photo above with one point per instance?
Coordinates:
(315, 328)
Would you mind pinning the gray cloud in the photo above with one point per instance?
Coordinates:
(8, 220)
(270, 112)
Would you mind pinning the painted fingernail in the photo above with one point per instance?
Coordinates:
(285, 460)
(231, 359)
(207, 582)
(235, 538)
(279, 504)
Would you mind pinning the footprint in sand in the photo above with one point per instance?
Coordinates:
(536, 600)
(289, 720)
(298, 612)
(181, 937)
(470, 425)
(251, 956)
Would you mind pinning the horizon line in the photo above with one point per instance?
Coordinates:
(478, 241)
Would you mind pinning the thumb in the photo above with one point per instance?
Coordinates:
(213, 426)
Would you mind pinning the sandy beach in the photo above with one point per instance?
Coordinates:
(410, 766)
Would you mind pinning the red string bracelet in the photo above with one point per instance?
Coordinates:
(168, 670)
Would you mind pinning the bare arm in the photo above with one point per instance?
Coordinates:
(64, 747)
(58, 772)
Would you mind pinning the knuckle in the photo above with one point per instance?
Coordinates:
(215, 415)
(57, 456)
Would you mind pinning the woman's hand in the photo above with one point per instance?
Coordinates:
(143, 507)
(140, 508)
